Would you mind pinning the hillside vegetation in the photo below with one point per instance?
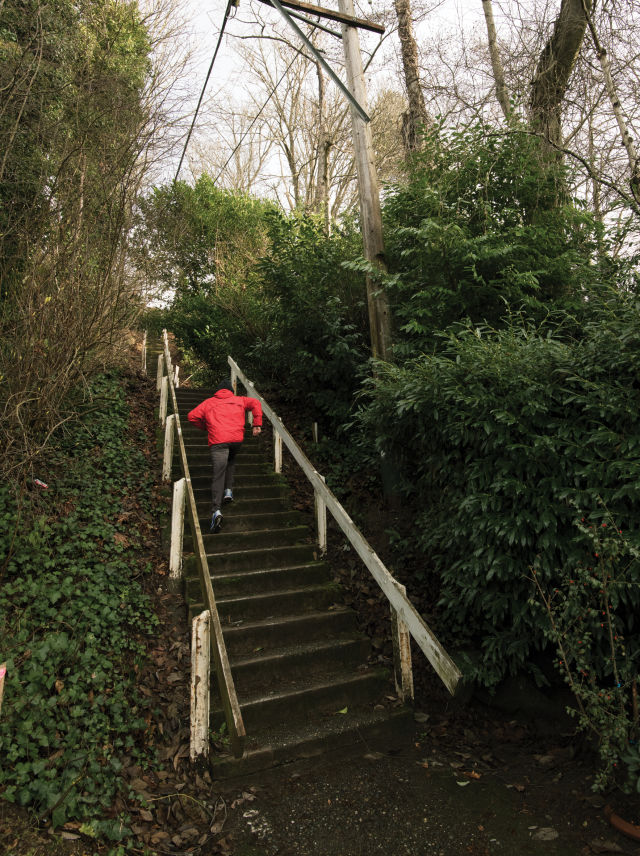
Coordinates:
(510, 412)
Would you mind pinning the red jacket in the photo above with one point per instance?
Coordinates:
(222, 416)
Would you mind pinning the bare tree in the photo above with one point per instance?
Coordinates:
(557, 61)
(416, 117)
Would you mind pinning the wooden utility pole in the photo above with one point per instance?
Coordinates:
(369, 192)
(368, 189)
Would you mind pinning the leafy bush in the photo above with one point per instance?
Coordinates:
(478, 231)
(502, 439)
(587, 614)
(317, 346)
(71, 606)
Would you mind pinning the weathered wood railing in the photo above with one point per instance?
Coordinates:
(405, 617)
(208, 623)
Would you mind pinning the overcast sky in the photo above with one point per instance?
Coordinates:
(227, 80)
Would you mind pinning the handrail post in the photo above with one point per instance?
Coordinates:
(277, 450)
(177, 529)
(200, 698)
(164, 394)
(401, 639)
(167, 458)
(176, 374)
(321, 520)
(234, 380)
(144, 352)
(160, 372)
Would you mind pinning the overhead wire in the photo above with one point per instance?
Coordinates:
(230, 4)
(254, 120)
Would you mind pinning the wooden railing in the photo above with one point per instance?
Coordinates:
(233, 715)
(406, 618)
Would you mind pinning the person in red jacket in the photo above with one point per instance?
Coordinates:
(223, 418)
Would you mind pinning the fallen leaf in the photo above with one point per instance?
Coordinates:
(471, 773)
(121, 539)
(344, 710)
(600, 846)
(546, 833)
(463, 784)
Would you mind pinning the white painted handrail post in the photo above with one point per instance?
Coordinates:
(401, 639)
(164, 395)
(159, 372)
(277, 450)
(176, 373)
(200, 668)
(321, 519)
(177, 529)
(167, 458)
(144, 351)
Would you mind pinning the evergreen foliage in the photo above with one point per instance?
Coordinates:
(201, 246)
(477, 231)
(71, 611)
(316, 347)
(521, 434)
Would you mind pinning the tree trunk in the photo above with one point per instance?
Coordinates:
(321, 195)
(496, 62)
(555, 65)
(616, 106)
(416, 117)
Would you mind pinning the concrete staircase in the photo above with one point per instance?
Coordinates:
(303, 673)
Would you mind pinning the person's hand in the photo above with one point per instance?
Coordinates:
(256, 430)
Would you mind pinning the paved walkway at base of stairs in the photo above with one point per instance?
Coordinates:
(392, 805)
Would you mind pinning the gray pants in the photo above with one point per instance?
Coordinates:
(223, 462)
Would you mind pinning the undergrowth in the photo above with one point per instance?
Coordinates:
(72, 614)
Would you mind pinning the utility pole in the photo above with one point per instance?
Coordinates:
(368, 189)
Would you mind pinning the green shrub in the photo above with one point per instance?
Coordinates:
(317, 348)
(587, 614)
(502, 439)
(478, 231)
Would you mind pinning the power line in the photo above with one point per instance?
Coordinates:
(255, 119)
(213, 59)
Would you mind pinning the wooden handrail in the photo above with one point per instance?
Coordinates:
(233, 715)
(419, 629)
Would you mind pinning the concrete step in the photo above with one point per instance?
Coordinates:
(324, 698)
(248, 637)
(260, 491)
(242, 505)
(246, 479)
(262, 557)
(285, 666)
(224, 541)
(359, 731)
(252, 582)
(272, 604)
(236, 520)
